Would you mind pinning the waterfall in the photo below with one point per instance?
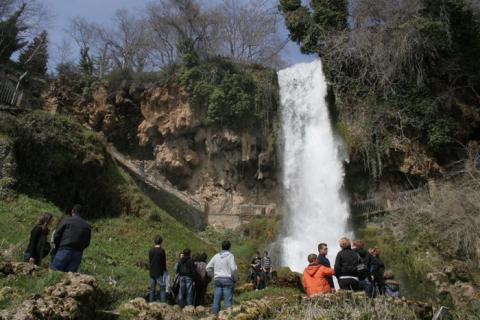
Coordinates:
(313, 172)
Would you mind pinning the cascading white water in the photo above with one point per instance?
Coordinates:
(312, 169)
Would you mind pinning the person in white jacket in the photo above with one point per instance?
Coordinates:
(223, 269)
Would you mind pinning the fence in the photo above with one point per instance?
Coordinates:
(9, 93)
(376, 206)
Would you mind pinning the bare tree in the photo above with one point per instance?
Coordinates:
(171, 20)
(127, 41)
(249, 30)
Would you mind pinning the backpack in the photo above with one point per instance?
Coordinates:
(361, 266)
(185, 267)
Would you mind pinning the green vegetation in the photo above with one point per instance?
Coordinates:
(118, 255)
(432, 243)
(61, 163)
(10, 38)
(402, 73)
(235, 95)
(246, 240)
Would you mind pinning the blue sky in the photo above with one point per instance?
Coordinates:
(101, 11)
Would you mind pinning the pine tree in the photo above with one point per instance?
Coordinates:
(35, 57)
(10, 39)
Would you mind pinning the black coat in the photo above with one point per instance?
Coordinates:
(186, 267)
(36, 245)
(346, 263)
(73, 233)
(366, 259)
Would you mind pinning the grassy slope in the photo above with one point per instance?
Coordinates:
(118, 253)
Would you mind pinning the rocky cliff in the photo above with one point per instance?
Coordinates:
(229, 169)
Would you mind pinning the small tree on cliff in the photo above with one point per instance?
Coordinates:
(35, 57)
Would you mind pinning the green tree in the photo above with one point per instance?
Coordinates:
(86, 63)
(10, 35)
(35, 57)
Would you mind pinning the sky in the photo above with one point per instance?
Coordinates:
(101, 11)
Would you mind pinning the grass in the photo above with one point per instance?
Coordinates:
(246, 240)
(118, 254)
(270, 291)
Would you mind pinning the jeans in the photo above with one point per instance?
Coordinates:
(185, 294)
(153, 288)
(67, 260)
(222, 287)
(366, 286)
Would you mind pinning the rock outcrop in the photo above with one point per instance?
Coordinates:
(7, 167)
(231, 171)
(74, 297)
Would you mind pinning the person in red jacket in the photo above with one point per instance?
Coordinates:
(315, 277)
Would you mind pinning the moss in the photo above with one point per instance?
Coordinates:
(234, 96)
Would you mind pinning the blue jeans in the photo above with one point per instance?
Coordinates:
(366, 286)
(67, 260)
(185, 294)
(223, 287)
(153, 288)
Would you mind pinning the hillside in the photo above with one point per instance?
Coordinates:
(122, 233)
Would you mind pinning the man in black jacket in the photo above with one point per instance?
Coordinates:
(158, 269)
(346, 264)
(71, 238)
(186, 272)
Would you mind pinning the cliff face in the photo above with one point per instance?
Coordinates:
(229, 171)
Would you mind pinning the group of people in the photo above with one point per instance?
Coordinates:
(261, 270)
(192, 276)
(356, 269)
(70, 238)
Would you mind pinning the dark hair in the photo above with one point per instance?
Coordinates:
(226, 245)
(158, 240)
(265, 252)
(186, 252)
(203, 257)
(44, 220)
(321, 245)
(258, 252)
(77, 209)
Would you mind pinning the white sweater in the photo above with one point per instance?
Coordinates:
(223, 265)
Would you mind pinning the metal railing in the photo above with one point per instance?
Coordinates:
(383, 205)
(9, 94)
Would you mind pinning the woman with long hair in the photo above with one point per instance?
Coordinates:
(38, 246)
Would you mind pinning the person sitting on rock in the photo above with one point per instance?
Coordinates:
(256, 272)
(38, 246)
(315, 277)
(71, 238)
(392, 286)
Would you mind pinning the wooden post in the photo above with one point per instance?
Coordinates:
(432, 187)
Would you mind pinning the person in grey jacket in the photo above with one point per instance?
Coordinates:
(71, 238)
(224, 271)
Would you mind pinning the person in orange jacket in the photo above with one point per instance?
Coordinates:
(314, 277)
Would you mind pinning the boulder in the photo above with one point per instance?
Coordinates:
(74, 296)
